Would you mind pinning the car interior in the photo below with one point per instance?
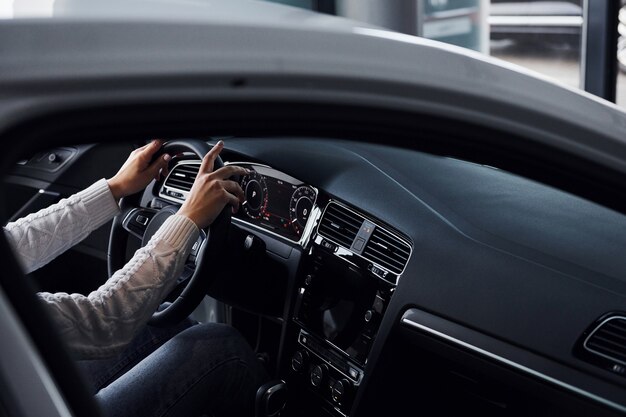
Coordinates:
(376, 279)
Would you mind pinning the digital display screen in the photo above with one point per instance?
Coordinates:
(275, 201)
(334, 304)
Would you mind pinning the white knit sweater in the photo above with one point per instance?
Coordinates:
(102, 323)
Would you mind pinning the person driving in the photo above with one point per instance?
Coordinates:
(135, 369)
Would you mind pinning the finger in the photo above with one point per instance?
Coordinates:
(159, 165)
(233, 188)
(163, 172)
(233, 201)
(228, 171)
(141, 148)
(210, 157)
(151, 148)
(166, 170)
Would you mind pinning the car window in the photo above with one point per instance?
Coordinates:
(543, 36)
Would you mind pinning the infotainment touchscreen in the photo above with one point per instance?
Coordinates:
(334, 305)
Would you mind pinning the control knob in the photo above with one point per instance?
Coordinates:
(318, 373)
(299, 360)
(340, 390)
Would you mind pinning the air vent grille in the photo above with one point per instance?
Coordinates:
(340, 225)
(387, 250)
(609, 339)
(182, 176)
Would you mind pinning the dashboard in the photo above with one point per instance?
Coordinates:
(369, 282)
(394, 279)
(274, 201)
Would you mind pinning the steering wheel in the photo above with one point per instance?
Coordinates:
(143, 222)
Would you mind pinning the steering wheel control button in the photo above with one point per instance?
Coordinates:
(136, 222)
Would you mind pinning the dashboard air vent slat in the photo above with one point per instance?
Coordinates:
(387, 250)
(340, 225)
(609, 339)
(182, 176)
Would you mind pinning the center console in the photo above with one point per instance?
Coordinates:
(349, 266)
(342, 294)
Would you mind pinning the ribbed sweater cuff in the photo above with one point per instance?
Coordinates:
(179, 231)
(99, 202)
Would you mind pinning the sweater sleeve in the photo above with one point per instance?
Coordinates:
(40, 237)
(103, 323)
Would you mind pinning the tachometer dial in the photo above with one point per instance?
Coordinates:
(300, 207)
(256, 195)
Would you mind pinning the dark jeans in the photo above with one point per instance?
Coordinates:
(187, 370)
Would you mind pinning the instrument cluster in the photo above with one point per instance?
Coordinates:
(275, 201)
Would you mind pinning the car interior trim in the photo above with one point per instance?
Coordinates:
(378, 225)
(27, 370)
(302, 341)
(408, 321)
(183, 193)
(595, 352)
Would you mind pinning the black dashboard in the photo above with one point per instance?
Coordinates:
(411, 278)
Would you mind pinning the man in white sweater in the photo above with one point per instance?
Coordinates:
(205, 368)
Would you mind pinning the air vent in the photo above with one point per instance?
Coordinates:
(609, 340)
(182, 176)
(387, 250)
(340, 225)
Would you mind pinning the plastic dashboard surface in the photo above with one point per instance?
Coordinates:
(492, 252)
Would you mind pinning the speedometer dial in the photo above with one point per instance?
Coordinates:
(300, 207)
(256, 195)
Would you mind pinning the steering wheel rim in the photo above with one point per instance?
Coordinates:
(208, 254)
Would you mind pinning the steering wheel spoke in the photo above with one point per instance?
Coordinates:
(136, 221)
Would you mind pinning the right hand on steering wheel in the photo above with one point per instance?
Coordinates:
(212, 190)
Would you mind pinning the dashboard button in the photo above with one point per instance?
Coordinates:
(329, 245)
(308, 280)
(299, 360)
(318, 373)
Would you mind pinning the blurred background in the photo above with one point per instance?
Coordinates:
(580, 43)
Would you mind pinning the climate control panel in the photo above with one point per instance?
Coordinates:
(325, 373)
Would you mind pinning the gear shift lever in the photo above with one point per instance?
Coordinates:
(271, 398)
